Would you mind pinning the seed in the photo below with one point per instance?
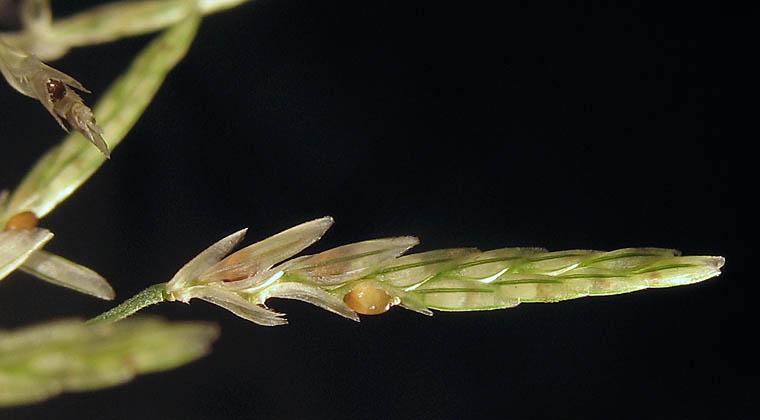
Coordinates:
(368, 300)
(56, 89)
(21, 221)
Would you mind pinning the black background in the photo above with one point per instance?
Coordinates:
(466, 125)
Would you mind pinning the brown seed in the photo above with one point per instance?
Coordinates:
(368, 300)
(21, 221)
(56, 89)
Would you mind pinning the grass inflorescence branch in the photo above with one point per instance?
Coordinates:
(372, 276)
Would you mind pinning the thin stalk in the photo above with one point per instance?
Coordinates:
(109, 22)
(150, 296)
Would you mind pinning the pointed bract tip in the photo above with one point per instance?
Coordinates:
(326, 220)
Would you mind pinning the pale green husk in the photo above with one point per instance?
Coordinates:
(65, 273)
(42, 361)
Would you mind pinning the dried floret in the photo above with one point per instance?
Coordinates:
(54, 89)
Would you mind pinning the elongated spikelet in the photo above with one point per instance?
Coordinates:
(370, 277)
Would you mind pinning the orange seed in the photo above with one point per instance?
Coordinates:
(21, 221)
(368, 300)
